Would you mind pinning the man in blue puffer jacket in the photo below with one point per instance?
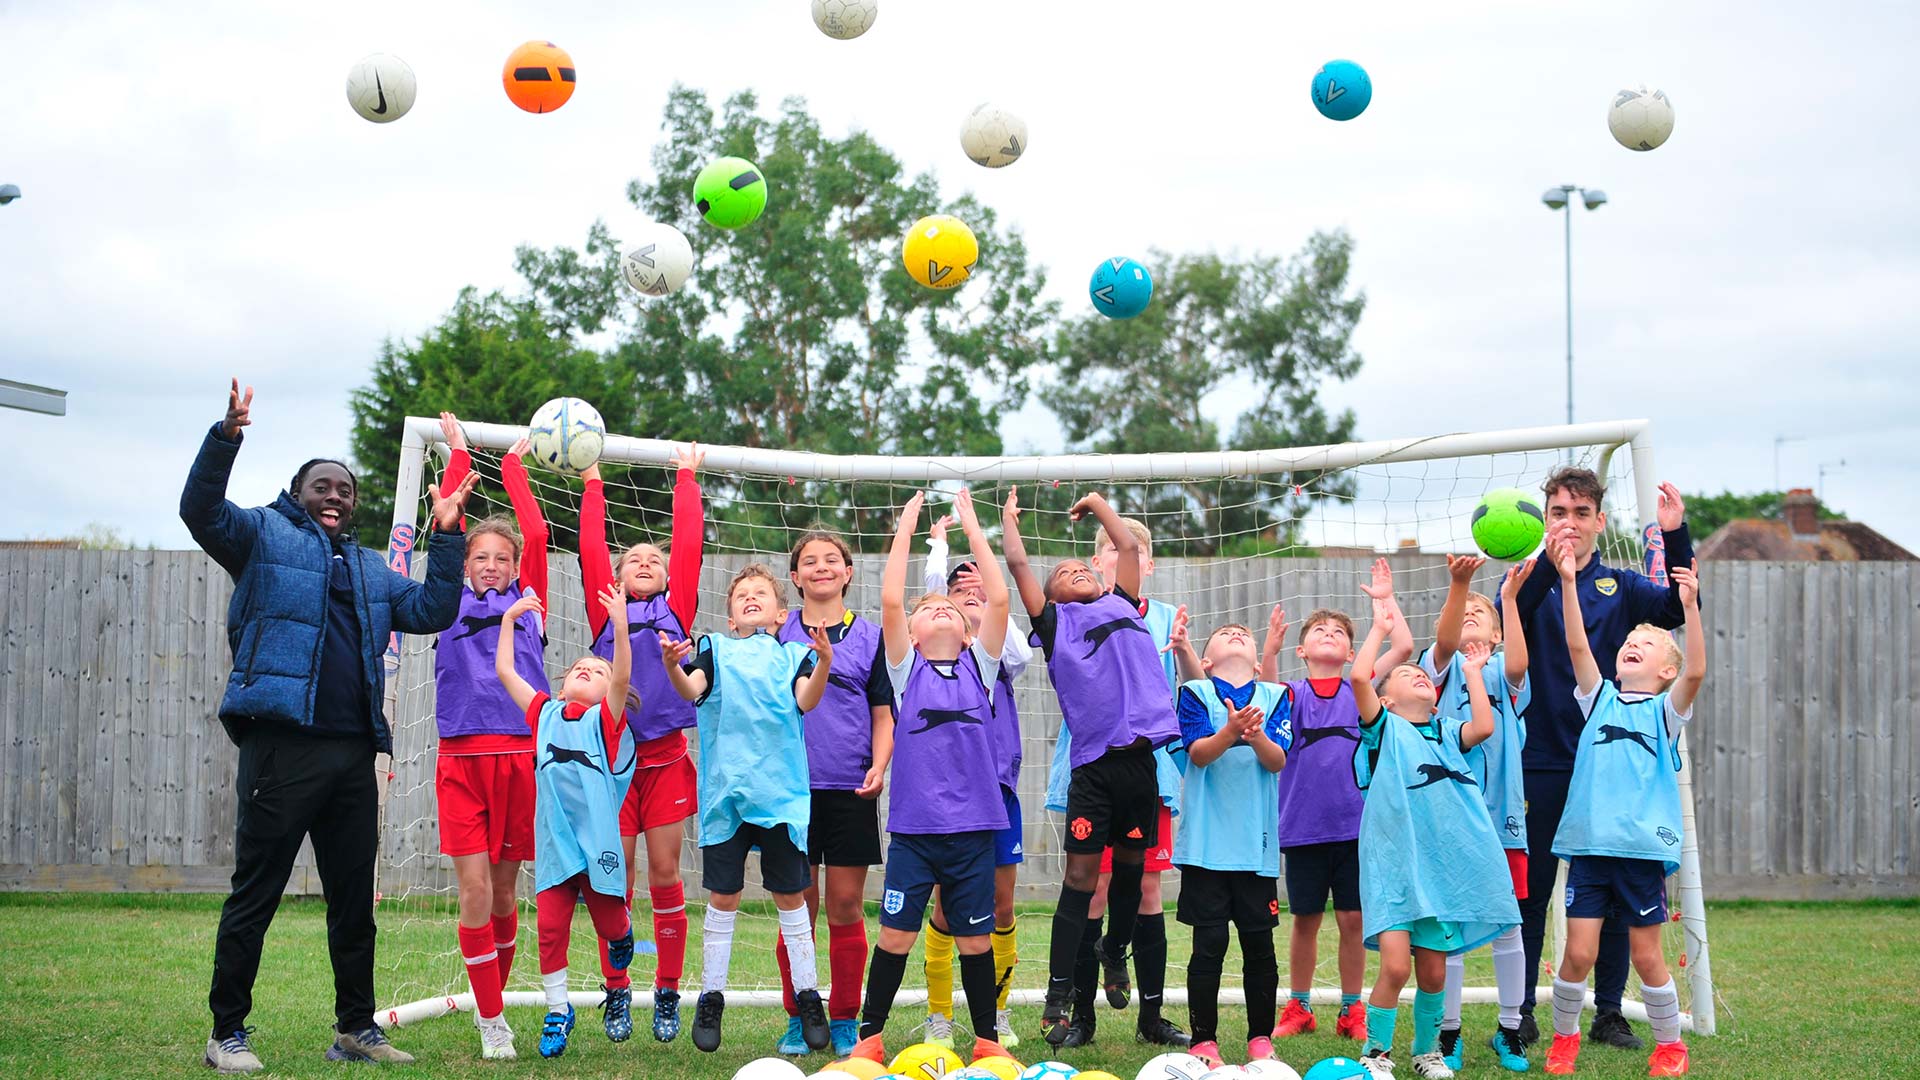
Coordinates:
(308, 624)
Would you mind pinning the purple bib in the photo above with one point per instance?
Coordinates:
(662, 710)
(840, 729)
(1107, 674)
(1005, 730)
(1319, 801)
(945, 772)
(468, 698)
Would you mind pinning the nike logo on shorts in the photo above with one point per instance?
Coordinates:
(978, 921)
(679, 802)
(1647, 911)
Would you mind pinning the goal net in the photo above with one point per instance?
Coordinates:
(1233, 534)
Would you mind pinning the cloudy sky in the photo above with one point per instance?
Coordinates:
(200, 202)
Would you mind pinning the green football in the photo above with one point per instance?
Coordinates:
(730, 192)
(1508, 524)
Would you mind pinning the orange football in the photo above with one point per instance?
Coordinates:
(538, 76)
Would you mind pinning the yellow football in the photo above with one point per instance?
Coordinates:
(940, 251)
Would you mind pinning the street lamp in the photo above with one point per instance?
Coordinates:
(1561, 198)
(8, 193)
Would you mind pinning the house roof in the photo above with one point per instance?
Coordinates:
(1764, 540)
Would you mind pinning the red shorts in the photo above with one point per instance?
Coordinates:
(660, 795)
(486, 805)
(1517, 867)
(1159, 856)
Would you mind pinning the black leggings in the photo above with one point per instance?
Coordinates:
(1262, 976)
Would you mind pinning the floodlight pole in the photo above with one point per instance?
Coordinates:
(1562, 198)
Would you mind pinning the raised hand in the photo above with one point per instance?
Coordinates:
(614, 600)
(1277, 623)
(1177, 637)
(1516, 575)
(1564, 559)
(1473, 656)
(911, 511)
(523, 444)
(673, 652)
(527, 602)
(1010, 513)
(689, 456)
(822, 644)
(1672, 509)
(449, 506)
(239, 410)
(963, 506)
(968, 579)
(450, 428)
(1687, 580)
(1381, 588)
(1461, 568)
(1084, 505)
(938, 530)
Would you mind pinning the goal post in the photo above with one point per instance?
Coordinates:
(1423, 485)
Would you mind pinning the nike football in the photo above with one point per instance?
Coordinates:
(539, 76)
(940, 251)
(380, 88)
(660, 260)
(1121, 288)
(1341, 90)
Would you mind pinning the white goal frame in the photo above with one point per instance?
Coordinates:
(422, 434)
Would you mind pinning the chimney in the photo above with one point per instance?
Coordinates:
(1802, 512)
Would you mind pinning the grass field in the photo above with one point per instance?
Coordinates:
(112, 986)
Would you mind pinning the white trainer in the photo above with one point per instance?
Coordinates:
(232, 1055)
(1431, 1066)
(940, 1029)
(1379, 1065)
(496, 1038)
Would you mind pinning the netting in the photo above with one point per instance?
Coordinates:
(1227, 546)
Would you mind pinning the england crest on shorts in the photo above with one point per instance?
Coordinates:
(893, 901)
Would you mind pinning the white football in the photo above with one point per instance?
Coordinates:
(1640, 119)
(993, 137)
(380, 88)
(1172, 1067)
(1225, 1072)
(567, 436)
(660, 260)
(1269, 1069)
(845, 19)
(1048, 1070)
(769, 1069)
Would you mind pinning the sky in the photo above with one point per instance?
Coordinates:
(199, 202)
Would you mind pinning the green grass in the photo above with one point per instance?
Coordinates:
(111, 986)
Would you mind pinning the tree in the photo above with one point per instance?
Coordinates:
(799, 331)
(1706, 513)
(1269, 330)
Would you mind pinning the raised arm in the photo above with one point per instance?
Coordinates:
(459, 457)
(1360, 676)
(614, 603)
(1180, 640)
(1126, 546)
(1535, 584)
(1687, 687)
(1031, 594)
(1479, 726)
(690, 685)
(518, 688)
(533, 524)
(596, 563)
(893, 581)
(934, 575)
(222, 530)
(1446, 632)
(430, 606)
(684, 559)
(1586, 672)
(1400, 636)
(1276, 641)
(808, 691)
(1513, 636)
(993, 623)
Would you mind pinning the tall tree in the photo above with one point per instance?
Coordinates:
(1267, 330)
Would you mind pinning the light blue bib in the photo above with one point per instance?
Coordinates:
(1427, 846)
(578, 789)
(1230, 810)
(1624, 799)
(753, 750)
(1496, 762)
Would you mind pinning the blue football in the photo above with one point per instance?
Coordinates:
(1341, 90)
(1121, 288)
(1336, 1068)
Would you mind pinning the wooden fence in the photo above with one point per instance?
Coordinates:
(117, 775)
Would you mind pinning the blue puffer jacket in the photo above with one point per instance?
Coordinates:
(279, 559)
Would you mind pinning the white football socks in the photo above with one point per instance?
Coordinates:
(797, 935)
(1663, 1010)
(1568, 999)
(555, 984)
(716, 949)
(1509, 976)
(1456, 979)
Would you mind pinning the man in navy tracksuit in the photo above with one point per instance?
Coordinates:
(1613, 601)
